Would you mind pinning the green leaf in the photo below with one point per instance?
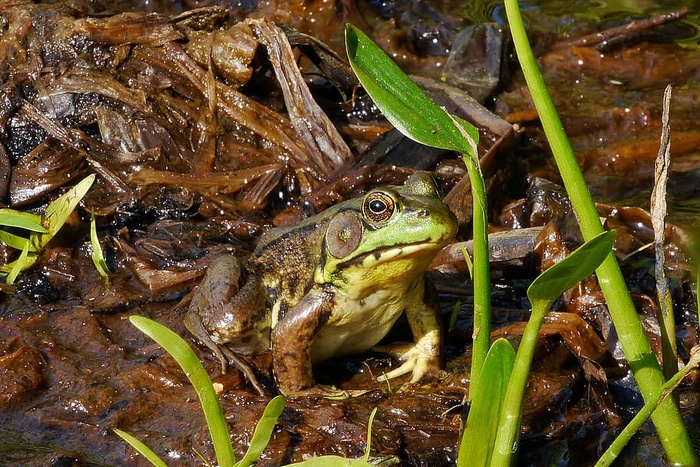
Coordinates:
(15, 241)
(553, 282)
(23, 220)
(98, 258)
(402, 102)
(476, 446)
(263, 431)
(144, 450)
(188, 361)
(58, 211)
(17, 265)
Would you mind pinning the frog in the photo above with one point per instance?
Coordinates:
(331, 285)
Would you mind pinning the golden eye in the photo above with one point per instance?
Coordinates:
(378, 206)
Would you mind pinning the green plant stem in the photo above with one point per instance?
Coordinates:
(506, 442)
(481, 275)
(642, 361)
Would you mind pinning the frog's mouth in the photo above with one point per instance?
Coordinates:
(393, 253)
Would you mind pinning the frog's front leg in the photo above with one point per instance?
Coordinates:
(293, 336)
(424, 358)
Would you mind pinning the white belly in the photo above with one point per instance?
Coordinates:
(357, 326)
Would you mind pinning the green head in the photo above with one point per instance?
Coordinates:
(392, 234)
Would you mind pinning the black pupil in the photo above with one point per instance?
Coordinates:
(377, 206)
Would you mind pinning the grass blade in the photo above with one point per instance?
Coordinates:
(645, 412)
(23, 220)
(17, 265)
(98, 257)
(58, 211)
(188, 361)
(543, 291)
(144, 450)
(263, 431)
(15, 241)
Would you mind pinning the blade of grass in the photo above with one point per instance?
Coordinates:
(263, 431)
(57, 211)
(98, 257)
(188, 361)
(144, 450)
(635, 344)
(15, 241)
(23, 220)
(368, 443)
(17, 265)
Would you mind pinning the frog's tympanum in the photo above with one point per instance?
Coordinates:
(332, 285)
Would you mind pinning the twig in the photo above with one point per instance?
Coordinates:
(620, 32)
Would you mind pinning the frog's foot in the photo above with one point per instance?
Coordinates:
(416, 360)
(224, 355)
(243, 366)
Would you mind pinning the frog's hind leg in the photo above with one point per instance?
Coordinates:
(220, 313)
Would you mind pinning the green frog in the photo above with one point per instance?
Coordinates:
(331, 285)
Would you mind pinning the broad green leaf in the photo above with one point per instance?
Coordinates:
(553, 282)
(476, 446)
(15, 241)
(58, 211)
(403, 103)
(188, 361)
(144, 450)
(23, 220)
(263, 431)
(98, 258)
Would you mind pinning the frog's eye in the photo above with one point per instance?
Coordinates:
(378, 206)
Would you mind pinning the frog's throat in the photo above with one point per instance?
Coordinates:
(392, 253)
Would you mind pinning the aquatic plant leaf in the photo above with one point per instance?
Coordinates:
(402, 102)
(476, 446)
(190, 364)
(23, 220)
(263, 431)
(98, 258)
(553, 282)
(17, 265)
(58, 211)
(15, 241)
(144, 450)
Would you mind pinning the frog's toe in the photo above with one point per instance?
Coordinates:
(405, 368)
(420, 364)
